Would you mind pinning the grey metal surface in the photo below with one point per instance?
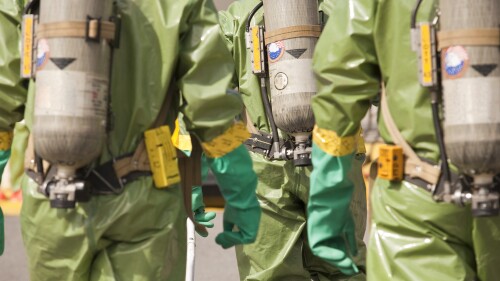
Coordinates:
(72, 77)
(291, 78)
(212, 262)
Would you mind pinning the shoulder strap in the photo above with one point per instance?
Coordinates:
(190, 172)
(414, 166)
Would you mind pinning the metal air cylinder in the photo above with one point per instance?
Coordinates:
(471, 82)
(72, 81)
(290, 64)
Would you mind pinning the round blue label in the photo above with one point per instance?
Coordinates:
(42, 55)
(455, 60)
(275, 51)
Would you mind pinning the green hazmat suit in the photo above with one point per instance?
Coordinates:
(411, 237)
(139, 234)
(280, 251)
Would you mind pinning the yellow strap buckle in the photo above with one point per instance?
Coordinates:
(162, 157)
(390, 162)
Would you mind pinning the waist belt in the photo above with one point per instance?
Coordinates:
(105, 180)
(435, 188)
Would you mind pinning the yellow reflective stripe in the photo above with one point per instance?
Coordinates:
(227, 142)
(334, 145)
(5, 140)
(361, 145)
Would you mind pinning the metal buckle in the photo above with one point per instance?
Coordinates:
(97, 37)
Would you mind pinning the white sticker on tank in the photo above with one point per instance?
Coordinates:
(298, 73)
(280, 81)
(71, 93)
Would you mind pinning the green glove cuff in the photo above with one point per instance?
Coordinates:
(4, 157)
(330, 226)
(237, 182)
(236, 178)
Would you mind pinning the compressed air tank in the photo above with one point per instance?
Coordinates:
(72, 82)
(471, 81)
(291, 77)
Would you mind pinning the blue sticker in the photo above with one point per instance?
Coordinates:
(42, 53)
(455, 61)
(275, 51)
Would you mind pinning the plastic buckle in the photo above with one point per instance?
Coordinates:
(90, 26)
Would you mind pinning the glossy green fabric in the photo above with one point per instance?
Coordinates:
(237, 182)
(139, 234)
(412, 237)
(12, 92)
(369, 40)
(330, 225)
(280, 251)
(18, 148)
(4, 158)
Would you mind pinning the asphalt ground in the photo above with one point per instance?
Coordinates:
(212, 263)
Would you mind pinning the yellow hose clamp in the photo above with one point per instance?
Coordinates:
(162, 157)
(390, 162)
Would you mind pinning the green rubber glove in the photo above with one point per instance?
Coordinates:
(330, 226)
(200, 216)
(4, 157)
(237, 182)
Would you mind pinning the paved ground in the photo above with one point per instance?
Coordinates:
(212, 262)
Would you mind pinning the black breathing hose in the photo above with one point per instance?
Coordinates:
(252, 13)
(31, 7)
(263, 91)
(439, 137)
(269, 113)
(414, 13)
(435, 111)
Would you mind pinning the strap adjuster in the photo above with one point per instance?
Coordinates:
(93, 29)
